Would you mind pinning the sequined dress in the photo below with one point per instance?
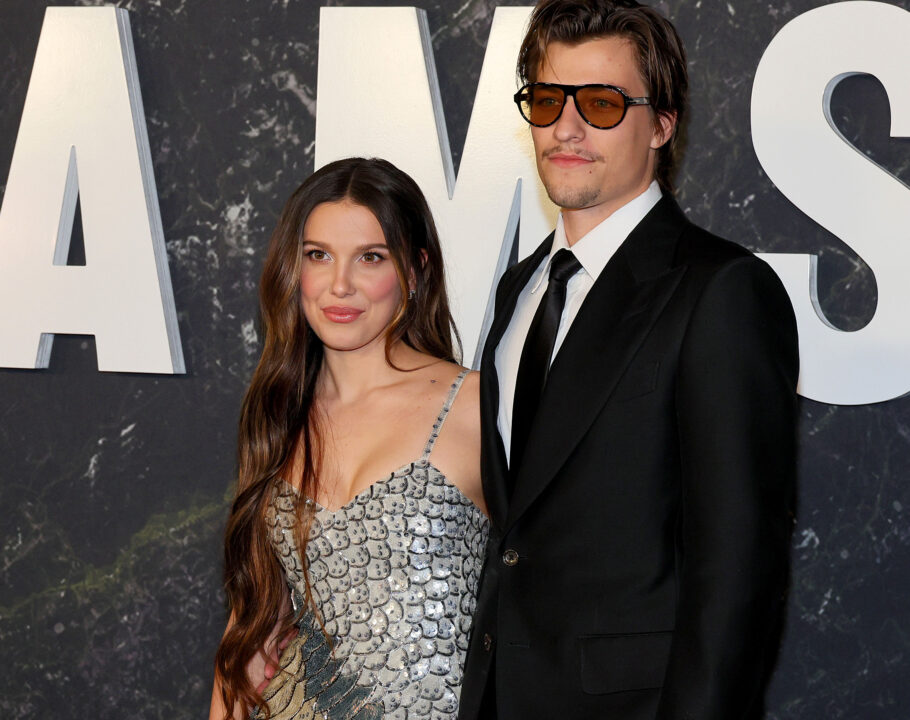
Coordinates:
(394, 574)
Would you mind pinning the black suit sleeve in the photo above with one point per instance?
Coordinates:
(736, 409)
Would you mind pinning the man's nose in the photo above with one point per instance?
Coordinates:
(570, 126)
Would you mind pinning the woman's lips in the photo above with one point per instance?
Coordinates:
(341, 314)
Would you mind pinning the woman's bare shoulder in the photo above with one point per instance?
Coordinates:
(470, 390)
(468, 399)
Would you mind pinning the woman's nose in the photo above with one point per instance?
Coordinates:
(341, 280)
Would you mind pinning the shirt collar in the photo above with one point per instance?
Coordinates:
(595, 249)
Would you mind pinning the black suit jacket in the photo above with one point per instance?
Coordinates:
(653, 509)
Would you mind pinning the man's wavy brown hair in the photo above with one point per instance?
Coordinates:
(280, 414)
(660, 53)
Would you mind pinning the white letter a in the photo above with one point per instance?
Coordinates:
(83, 108)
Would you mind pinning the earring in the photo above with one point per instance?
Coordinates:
(412, 294)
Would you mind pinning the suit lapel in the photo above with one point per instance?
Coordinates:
(495, 466)
(614, 320)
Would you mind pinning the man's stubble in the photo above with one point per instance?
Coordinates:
(572, 198)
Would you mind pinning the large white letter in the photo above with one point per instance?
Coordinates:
(379, 96)
(812, 164)
(83, 134)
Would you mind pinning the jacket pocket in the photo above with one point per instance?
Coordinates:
(639, 379)
(620, 663)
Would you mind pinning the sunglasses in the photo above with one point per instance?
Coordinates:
(601, 106)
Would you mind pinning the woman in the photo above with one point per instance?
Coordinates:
(357, 376)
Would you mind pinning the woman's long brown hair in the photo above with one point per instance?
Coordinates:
(280, 414)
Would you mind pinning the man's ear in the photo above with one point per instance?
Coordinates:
(663, 129)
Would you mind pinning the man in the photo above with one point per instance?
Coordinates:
(638, 412)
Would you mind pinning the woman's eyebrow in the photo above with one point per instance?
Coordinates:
(359, 248)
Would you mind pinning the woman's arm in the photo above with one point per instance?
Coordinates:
(260, 670)
(217, 711)
(457, 451)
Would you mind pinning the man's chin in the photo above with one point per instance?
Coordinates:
(573, 198)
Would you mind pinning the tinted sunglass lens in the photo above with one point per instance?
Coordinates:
(541, 105)
(602, 107)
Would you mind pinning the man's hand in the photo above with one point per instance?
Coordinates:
(264, 665)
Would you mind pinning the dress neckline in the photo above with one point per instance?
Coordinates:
(381, 482)
(422, 461)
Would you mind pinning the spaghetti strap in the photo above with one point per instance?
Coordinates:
(447, 405)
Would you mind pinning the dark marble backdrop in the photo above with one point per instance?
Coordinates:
(114, 487)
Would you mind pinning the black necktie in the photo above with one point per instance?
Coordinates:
(535, 356)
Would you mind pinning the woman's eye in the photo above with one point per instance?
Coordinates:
(372, 258)
(317, 255)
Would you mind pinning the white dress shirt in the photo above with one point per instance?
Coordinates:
(593, 251)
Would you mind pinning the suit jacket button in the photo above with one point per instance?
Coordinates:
(510, 557)
(487, 642)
